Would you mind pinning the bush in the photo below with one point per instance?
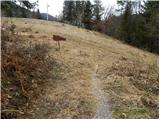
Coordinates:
(25, 67)
(99, 26)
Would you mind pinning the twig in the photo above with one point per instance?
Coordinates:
(6, 110)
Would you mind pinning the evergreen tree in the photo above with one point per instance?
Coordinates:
(6, 8)
(151, 16)
(38, 14)
(12, 9)
(69, 11)
(140, 24)
(79, 9)
(24, 14)
(87, 17)
(65, 10)
(28, 5)
(98, 10)
(126, 26)
(78, 12)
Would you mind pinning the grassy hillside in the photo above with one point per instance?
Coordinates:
(127, 76)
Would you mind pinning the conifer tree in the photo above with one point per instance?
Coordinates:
(126, 25)
(79, 9)
(87, 17)
(98, 10)
(69, 11)
(151, 16)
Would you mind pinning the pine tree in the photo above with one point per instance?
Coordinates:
(151, 16)
(6, 8)
(27, 4)
(79, 9)
(78, 12)
(98, 10)
(65, 11)
(12, 9)
(87, 17)
(69, 11)
(38, 14)
(126, 26)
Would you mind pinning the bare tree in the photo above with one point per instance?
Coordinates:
(108, 13)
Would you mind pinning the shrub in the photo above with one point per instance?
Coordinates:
(24, 69)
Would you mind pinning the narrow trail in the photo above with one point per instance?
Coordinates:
(103, 107)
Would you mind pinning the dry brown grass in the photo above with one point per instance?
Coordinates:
(120, 68)
(25, 68)
(133, 88)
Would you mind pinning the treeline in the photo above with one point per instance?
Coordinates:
(18, 8)
(135, 22)
(138, 24)
(83, 13)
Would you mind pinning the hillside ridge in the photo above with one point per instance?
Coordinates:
(90, 62)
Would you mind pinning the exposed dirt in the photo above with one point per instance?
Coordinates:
(103, 111)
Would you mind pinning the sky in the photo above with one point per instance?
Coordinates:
(56, 6)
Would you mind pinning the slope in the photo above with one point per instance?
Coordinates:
(123, 85)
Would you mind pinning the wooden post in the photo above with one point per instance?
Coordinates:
(58, 38)
(59, 44)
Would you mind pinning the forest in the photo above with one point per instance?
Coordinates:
(134, 22)
(21, 9)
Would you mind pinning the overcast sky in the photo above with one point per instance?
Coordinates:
(56, 6)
